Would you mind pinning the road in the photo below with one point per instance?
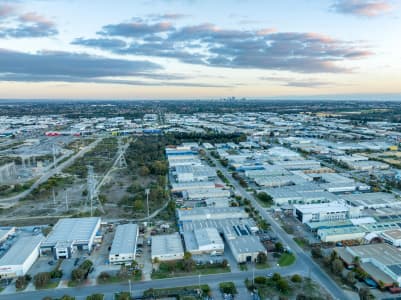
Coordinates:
(52, 172)
(305, 260)
(139, 287)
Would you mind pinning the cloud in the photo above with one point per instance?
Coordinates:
(102, 43)
(48, 64)
(6, 10)
(301, 83)
(169, 16)
(135, 29)
(210, 45)
(366, 8)
(28, 25)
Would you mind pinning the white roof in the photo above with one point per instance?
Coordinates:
(125, 239)
(167, 244)
(21, 250)
(72, 229)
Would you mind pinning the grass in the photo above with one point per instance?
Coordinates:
(286, 259)
(262, 266)
(301, 242)
(175, 290)
(205, 271)
(117, 279)
(243, 267)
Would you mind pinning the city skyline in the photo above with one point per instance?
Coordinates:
(183, 49)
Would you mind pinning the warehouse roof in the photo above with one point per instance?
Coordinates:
(166, 244)
(125, 239)
(321, 207)
(371, 199)
(246, 244)
(72, 229)
(21, 249)
(212, 213)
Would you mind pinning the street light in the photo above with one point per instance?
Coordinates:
(130, 291)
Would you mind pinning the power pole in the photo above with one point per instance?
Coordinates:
(147, 200)
(66, 201)
(54, 155)
(54, 198)
(122, 163)
(91, 186)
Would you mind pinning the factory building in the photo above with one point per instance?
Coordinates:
(246, 248)
(216, 213)
(381, 261)
(332, 211)
(20, 257)
(123, 248)
(70, 235)
(204, 240)
(167, 247)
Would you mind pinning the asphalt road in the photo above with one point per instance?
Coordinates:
(138, 288)
(303, 259)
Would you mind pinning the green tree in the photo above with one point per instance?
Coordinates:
(144, 171)
(261, 258)
(337, 266)
(296, 278)
(279, 247)
(282, 285)
(41, 279)
(95, 297)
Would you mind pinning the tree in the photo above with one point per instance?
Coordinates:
(41, 279)
(276, 277)
(20, 282)
(138, 205)
(337, 266)
(279, 247)
(144, 171)
(264, 197)
(316, 252)
(282, 285)
(261, 258)
(95, 297)
(188, 262)
(296, 278)
(67, 297)
(364, 294)
(351, 278)
(78, 274)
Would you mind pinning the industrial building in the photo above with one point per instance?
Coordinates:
(332, 211)
(204, 240)
(381, 261)
(123, 248)
(167, 247)
(393, 237)
(189, 173)
(215, 213)
(20, 257)
(70, 235)
(371, 200)
(246, 248)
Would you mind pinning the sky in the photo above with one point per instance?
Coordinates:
(200, 49)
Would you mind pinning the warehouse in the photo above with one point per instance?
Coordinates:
(205, 240)
(123, 249)
(189, 173)
(321, 212)
(167, 247)
(381, 261)
(20, 257)
(202, 194)
(70, 235)
(215, 213)
(393, 237)
(246, 248)
(185, 186)
(371, 200)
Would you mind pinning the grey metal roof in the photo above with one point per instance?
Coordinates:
(21, 249)
(125, 239)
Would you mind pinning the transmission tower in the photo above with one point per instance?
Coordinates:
(122, 163)
(92, 192)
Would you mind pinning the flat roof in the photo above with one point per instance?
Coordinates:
(211, 212)
(21, 249)
(125, 239)
(368, 199)
(384, 253)
(394, 234)
(321, 207)
(72, 229)
(246, 244)
(166, 244)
